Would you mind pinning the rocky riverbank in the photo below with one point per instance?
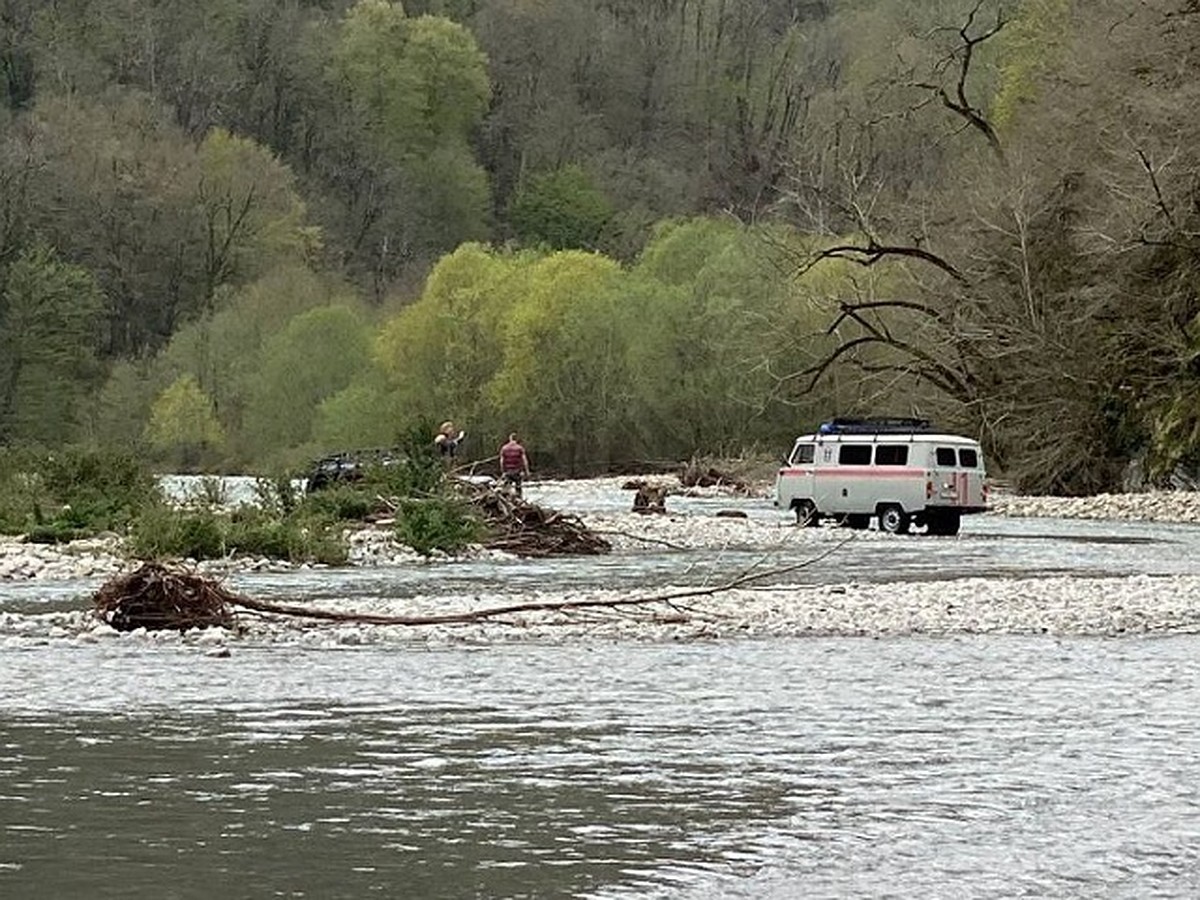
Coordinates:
(103, 557)
(1062, 606)
(1058, 604)
(1152, 506)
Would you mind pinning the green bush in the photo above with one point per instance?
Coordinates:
(55, 533)
(74, 491)
(278, 494)
(162, 532)
(437, 524)
(294, 538)
(340, 503)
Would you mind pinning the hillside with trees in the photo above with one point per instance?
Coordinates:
(237, 234)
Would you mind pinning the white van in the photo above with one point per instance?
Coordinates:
(902, 472)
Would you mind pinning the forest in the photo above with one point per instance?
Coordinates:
(238, 234)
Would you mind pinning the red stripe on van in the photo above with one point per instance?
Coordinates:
(859, 472)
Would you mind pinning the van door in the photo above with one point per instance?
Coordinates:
(958, 478)
(795, 481)
(947, 485)
(971, 478)
(846, 485)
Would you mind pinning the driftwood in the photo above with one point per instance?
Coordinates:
(696, 475)
(527, 529)
(158, 598)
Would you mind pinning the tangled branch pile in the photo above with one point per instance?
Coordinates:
(157, 598)
(527, 529)
(697, 474)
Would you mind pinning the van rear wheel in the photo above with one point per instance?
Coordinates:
(806, 513)
(893, 519)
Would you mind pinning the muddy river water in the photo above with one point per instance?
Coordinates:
(981, 766)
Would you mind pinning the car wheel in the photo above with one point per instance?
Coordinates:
(806, 514)
(893, 519)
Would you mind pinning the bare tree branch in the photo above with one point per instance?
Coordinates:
(748, 577)
(958, 103)
(873, 252)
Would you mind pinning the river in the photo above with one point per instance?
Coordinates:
(993, 766)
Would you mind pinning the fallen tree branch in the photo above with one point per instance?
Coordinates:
(126, 605)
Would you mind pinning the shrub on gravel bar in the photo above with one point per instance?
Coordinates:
(67, 494)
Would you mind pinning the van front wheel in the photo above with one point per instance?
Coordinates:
(893, 519)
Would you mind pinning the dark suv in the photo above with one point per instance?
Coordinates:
(348, 466)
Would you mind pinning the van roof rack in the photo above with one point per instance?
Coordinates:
(876, 425)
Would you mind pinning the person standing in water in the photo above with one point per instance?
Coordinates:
(514, 463)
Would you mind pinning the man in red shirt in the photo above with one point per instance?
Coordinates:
(514, 463)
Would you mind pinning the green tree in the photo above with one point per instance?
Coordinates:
(49, 312)
(113, 191)
(706, 335)
(183, 425)
(222, 351)
(162, 225)
(405, 96)
(317, 354)
(1030, 45)
(563, 381)
(363, 414)
(417, 85)
(252, 217)
(438, 353)
(563, 210)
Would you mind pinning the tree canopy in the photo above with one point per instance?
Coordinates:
(629, 230)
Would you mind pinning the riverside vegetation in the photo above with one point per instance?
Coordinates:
(64, 496)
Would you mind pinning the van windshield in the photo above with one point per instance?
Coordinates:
(804, 453)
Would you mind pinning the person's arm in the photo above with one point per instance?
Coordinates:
(525, 456)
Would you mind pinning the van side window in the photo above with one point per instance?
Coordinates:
(968, 458)
(891, 455)
(945, 456)
(855, 455)
(805, 453)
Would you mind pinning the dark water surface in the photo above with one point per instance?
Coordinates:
(906, 767)
(982, 767)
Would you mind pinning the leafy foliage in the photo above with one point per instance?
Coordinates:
(436, 524)
(183, 422)
(314, 357)
(179, 182)
(49, 314)
(71, 493)
(165, 532)
(563, 210)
